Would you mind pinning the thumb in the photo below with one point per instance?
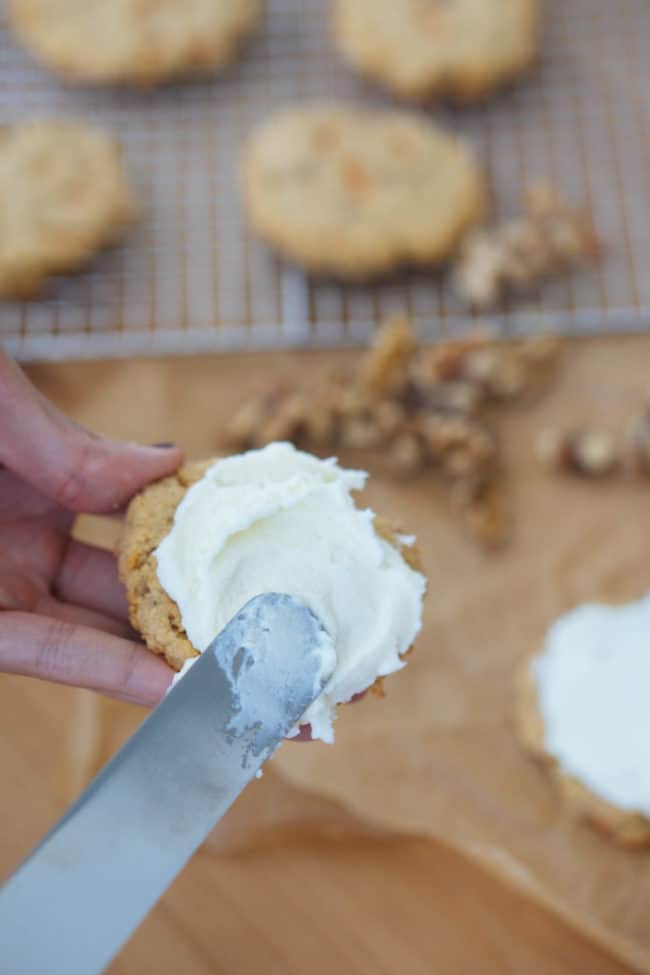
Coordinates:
(77, 469)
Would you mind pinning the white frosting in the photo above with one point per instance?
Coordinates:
(279, 520)
(592, 680)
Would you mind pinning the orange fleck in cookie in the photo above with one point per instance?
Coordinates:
(140, 42)
(462, 49)
(63, 196)
(354, 194)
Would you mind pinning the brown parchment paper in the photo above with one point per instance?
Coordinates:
(437, 755)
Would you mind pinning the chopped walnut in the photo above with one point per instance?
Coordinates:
(406, 456)
(463, 375)
(286, 423)
(527, 253)
(362, 433)
(321, 426)
(571, 234)
(462, 448)
(498, 370)
(390, 417)
(279, 415)
(386, 364)
(353, 401)
(518, 255)
(445, 362)
(455, 396)
(482, 269)
(417, 409)
(589, 453)
(244, 428)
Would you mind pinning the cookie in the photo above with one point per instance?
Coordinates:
(131, 41)
(354, 193)
(63, 196)
(577, 710)
(149, 519)
(419, 49)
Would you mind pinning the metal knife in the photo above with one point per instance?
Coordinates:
(83, 891)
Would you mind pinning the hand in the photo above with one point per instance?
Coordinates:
(63, 613)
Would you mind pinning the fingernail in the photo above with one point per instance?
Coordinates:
(163, 446)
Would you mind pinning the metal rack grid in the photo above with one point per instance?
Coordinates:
(190, 279)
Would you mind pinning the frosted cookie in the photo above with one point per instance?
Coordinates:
(63, 196)
(131, 41)
(197, 546)
(353, 193)
(582, 707)
(423, 48)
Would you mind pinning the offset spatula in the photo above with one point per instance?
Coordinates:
(83, 891)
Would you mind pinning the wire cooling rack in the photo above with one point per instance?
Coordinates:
(189, 278)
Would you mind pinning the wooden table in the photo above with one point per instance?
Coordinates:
(352, 906)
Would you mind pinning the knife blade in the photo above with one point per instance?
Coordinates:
(83, 891)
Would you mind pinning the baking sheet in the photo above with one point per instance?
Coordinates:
(189, 278)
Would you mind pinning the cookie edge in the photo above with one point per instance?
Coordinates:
(629, 829)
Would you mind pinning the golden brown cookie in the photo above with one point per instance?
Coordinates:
(149, 519)
(140, 42)
(627, 828)
(356, 193)
(63, 196)
(419, 49)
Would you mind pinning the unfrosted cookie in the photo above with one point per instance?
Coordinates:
(63, 196)
(581, 709)
(356, 193)
(149, 519)
(423, 48)
(141, 42)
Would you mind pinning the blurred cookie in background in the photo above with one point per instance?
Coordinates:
(354, 194)
(131, 42)
(64, 195)
(420, 49)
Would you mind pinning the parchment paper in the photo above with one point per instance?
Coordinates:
(438, 755)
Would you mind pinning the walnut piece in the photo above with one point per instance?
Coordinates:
(417, 409)
(406, 457)
(520, 254)
(387, 362)
(589, 453)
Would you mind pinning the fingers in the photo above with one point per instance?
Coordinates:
(304, 733)
(67, 653)
(88, 577)
(70, 613)
(76, 469)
